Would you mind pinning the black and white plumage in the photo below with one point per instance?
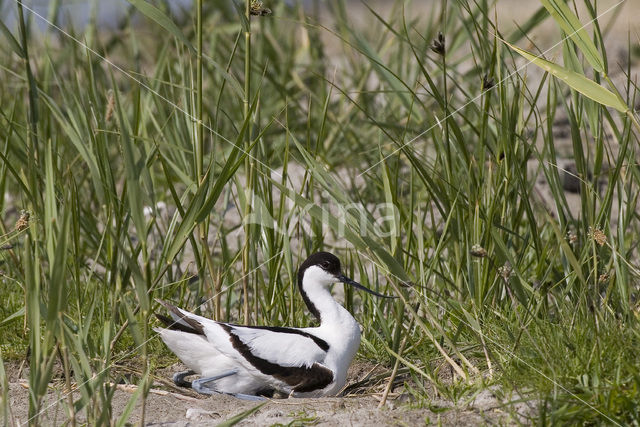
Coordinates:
(258, 360)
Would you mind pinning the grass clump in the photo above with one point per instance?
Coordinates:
(204, 169)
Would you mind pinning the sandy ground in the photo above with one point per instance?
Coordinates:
(172, 407)
(176, 410)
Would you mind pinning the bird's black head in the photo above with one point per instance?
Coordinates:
(325, 269)
(330, 272)
(326, 261)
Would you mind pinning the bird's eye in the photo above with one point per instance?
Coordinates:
(325, 264)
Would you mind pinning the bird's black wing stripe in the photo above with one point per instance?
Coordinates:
(169, 323)
(280, 329)
(301, 378)
(194, 327)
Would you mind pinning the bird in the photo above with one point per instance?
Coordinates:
(254, 362)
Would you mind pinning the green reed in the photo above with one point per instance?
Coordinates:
(416, 164)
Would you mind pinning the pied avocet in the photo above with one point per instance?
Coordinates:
(248, 361)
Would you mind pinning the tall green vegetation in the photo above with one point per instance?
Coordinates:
(204, 169)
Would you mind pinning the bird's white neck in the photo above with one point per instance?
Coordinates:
(319, 300)
(329, 309)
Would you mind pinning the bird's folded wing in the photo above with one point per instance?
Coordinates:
(285, 347)
(281, 346)
(290, 356)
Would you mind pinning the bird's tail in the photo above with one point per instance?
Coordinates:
(179, 321)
